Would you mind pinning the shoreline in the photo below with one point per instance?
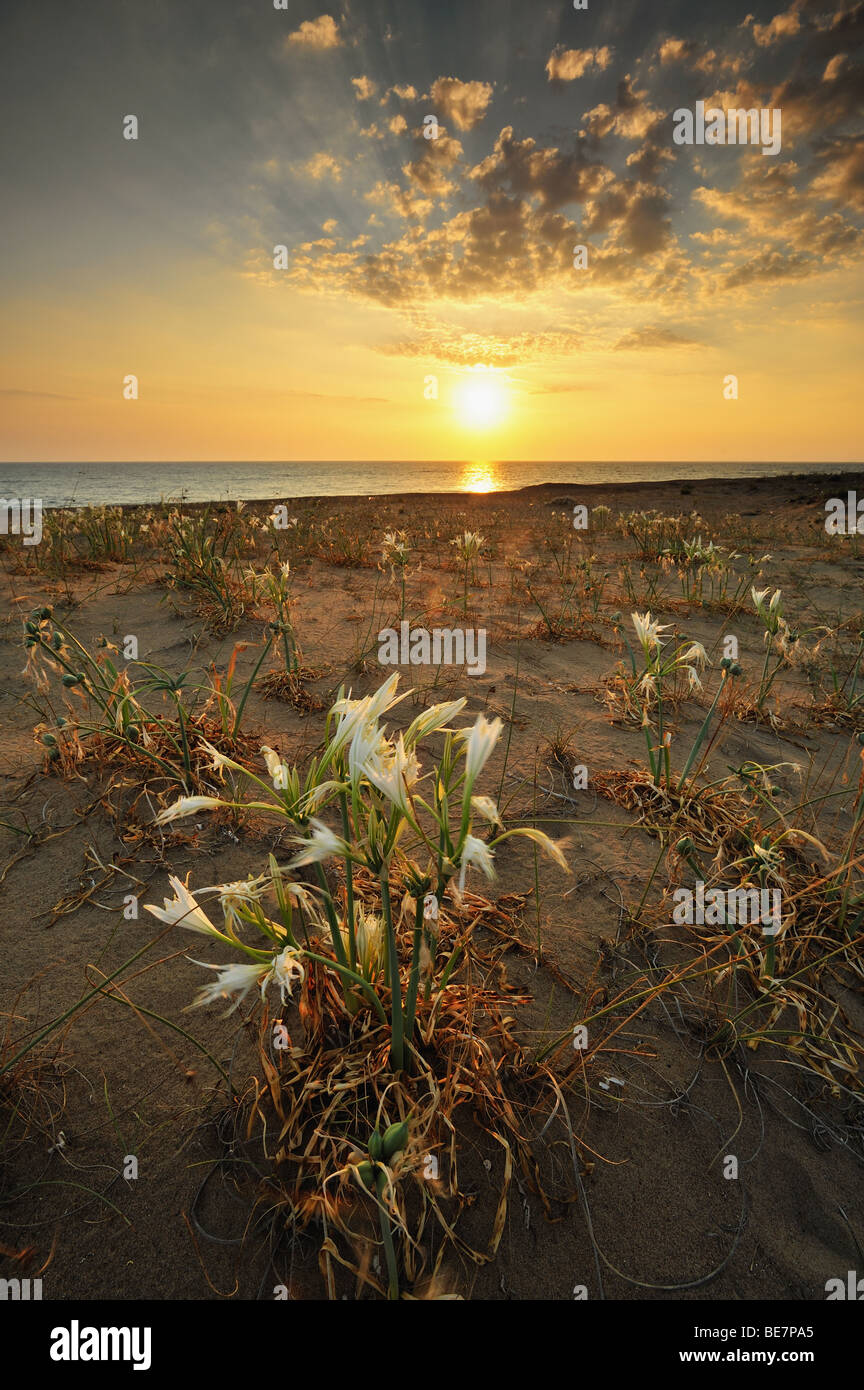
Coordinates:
(782, 487)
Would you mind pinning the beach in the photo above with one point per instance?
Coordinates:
(704, 1042)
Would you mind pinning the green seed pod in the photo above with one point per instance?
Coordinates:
(31, 628)
(49, 740)
(725, 664)
(45, 612)
(56, 641)
(395, 1138)
(367, 1174)
(375, 1144)
(69, 680)
(737, 670)
(684, 845)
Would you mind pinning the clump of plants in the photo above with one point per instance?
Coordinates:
(373, 926)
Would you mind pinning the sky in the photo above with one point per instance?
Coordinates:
(292, 270)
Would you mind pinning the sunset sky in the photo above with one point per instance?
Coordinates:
(410, 258)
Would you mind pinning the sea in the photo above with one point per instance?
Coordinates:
(98, 484)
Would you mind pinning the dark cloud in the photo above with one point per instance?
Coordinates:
(841, 175)
(523, 167)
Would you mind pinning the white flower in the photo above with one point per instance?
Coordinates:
(218, 760)
(540, 838)
(475, 851)
(759, 596)
(693, 679)
(233, 896)
(385, 698)
(393, 774)
(468, 543)
(239, 979)
(433, 719)
(367, 743)
(368, 938)
(430, 908)
(696, 652)
(479, 743)
(354, 714)
(184, 909)
(485, 807)
(647, 630)
(322, 844)
(230, 980)
(276, 769)
(187, 806)
(286, 968)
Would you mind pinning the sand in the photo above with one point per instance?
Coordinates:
(119, 1083)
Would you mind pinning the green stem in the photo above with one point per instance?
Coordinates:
(700, 737)
(396, 1018)
(249, 684)
(349, 882)
(414, 979)
(387, 1237)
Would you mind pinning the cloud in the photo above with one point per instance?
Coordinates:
(458, 348)
(400, 202)
(364, 88)
(690, 53)
(507, 250)
(524, 167)
(397, 124)
(634, 213)
(330, 225)
(782, 26)
(654, 336)
(319, 34)
(323, 166)
(463, 103)
(435, 158)
(631, 117)
(567, 64)
(783, 233)
(842, 176)
(770, 267)
(404, 93)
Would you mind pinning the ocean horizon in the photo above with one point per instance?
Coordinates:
(98, 484)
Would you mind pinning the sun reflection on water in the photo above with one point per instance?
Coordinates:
(479, 477)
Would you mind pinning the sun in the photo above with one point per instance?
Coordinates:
(482, 402)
